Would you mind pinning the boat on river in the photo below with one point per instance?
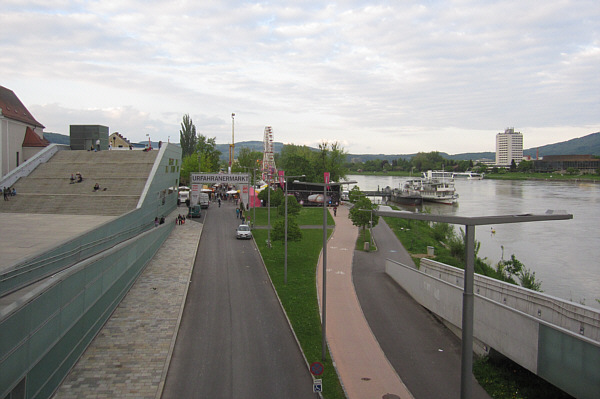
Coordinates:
(468, 175)
(434, 186)
(406, 196)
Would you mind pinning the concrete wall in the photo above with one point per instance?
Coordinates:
(579, 319)
(43, 335)
(540, 346)
(27, 167)
(44, 331)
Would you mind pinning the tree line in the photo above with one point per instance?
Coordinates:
(422, 161)
(200, 154)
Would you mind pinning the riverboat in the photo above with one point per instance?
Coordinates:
(468, 175)
(406, 195)
(437, 174)
(435, 186)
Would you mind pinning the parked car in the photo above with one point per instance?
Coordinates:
(243, 231)
(195, 212)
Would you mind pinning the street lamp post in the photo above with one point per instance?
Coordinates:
(466, 386)
(254, 199)
(324, 312)
(268, 212)
(286, 226)
(248, 185)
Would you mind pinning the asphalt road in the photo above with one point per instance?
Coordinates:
(424, 353)
(234, 340)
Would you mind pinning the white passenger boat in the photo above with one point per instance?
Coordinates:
(435, 186)
(468, 175)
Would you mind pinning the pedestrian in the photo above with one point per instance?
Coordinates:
(156, 221)
(335, 211)
(5, 193)
(243, 219)
(219, 202)
(237, 213)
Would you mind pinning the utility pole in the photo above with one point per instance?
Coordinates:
(232, 145)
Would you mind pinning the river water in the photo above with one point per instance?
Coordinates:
(565, 254)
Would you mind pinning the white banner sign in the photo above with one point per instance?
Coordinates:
(219, 178)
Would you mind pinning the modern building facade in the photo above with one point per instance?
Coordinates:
(86, 137)
(509, 147)
(21, 135)
(561, 163)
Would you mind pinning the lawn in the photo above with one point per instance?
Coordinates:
(299, 295)
(309, 216)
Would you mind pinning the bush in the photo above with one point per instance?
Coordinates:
(441, 231)
(294, 232)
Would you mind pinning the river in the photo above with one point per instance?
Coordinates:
(565, 255)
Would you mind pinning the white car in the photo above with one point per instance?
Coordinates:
(243, 231)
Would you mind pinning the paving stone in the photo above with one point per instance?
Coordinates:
(129, 356)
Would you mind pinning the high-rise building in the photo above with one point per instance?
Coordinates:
(509, 147)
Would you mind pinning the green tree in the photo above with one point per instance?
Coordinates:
(293, 206)
(278, 231)
(187, 136)
(208, 154)
(330, 158)
(360, 215)
(525, 166)
(246, 160)
(355, 194)
(296, 161)
(515, 268)
(276, 196)
(189, 164)
(426, 161)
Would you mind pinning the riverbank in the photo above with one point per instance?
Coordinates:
(503, 176)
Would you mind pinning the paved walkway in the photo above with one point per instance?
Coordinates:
(129, 356)
(363, 367)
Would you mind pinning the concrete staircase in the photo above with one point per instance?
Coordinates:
(48, 189)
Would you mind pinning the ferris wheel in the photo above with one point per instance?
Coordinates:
(268, 170)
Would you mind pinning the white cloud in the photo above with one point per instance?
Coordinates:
(381, 77)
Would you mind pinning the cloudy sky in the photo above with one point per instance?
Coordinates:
(389, 77)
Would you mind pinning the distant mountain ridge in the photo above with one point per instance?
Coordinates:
(586, 145)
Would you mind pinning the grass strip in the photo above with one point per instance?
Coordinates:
(309, 216)
(299, 295)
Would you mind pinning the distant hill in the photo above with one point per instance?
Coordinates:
(586, 145)
(57, 138)
(252, 145)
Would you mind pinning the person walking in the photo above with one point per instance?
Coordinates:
(237, 213)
